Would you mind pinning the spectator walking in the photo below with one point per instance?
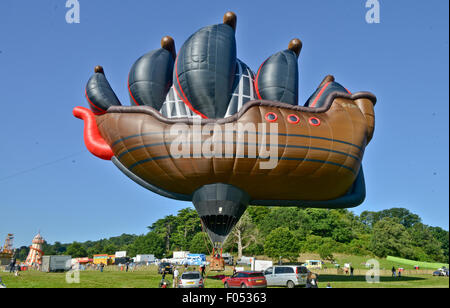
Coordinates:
(351, 270)
(394, 271)
(101, 267)
(203, 267)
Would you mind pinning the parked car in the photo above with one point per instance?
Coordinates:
(441, 272)
(165, 267)
(245, 280)
(191, 280)
(289, 276)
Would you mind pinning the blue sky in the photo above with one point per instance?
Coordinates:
(49, 181)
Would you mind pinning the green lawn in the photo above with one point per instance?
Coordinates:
(358, 262)
(150, 279)
(359, 281)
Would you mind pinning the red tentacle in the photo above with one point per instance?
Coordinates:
(93, 140)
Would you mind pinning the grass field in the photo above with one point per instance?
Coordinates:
(148, 278)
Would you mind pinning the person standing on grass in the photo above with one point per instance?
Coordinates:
(312, 281)
(12, 265)
(176, 273)
(351, 271)
(394, 271)
(101, 267)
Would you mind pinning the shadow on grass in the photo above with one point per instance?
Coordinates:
(361, 278)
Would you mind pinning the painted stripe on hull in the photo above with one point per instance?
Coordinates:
(131, 167)
(257, 133)
(245, 144)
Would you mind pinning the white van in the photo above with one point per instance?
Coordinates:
(286, 275)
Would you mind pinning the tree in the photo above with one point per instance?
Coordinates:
(188, 226)
(76, 250)
(47, 249)
(258, 213)
(23, 253)
(289, 217)
(282, 243)
(200, 244)
(442, 236)
(96, 249)
(110, 249)
(342, 233)
(390, 238)
(151, 243)
(243, 234)
(59, 248)
(165, 228)
(326, 252)
(400, 215)
(322, 222)
(423, 238)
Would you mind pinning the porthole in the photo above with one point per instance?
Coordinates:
(314, 121)
(293, 119)
(271, 117)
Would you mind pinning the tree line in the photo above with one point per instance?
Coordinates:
(281, 232)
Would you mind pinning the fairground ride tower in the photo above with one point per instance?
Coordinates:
(35, 255)
(8, 247)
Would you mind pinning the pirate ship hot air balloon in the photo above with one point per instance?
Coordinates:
(203, 127)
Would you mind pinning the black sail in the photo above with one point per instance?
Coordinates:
(99, 93)
(204, 70)
(277, 78)
(150, 78)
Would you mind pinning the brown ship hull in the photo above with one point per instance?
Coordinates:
(319, 158)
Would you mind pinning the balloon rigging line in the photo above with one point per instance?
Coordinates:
(40, 166)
